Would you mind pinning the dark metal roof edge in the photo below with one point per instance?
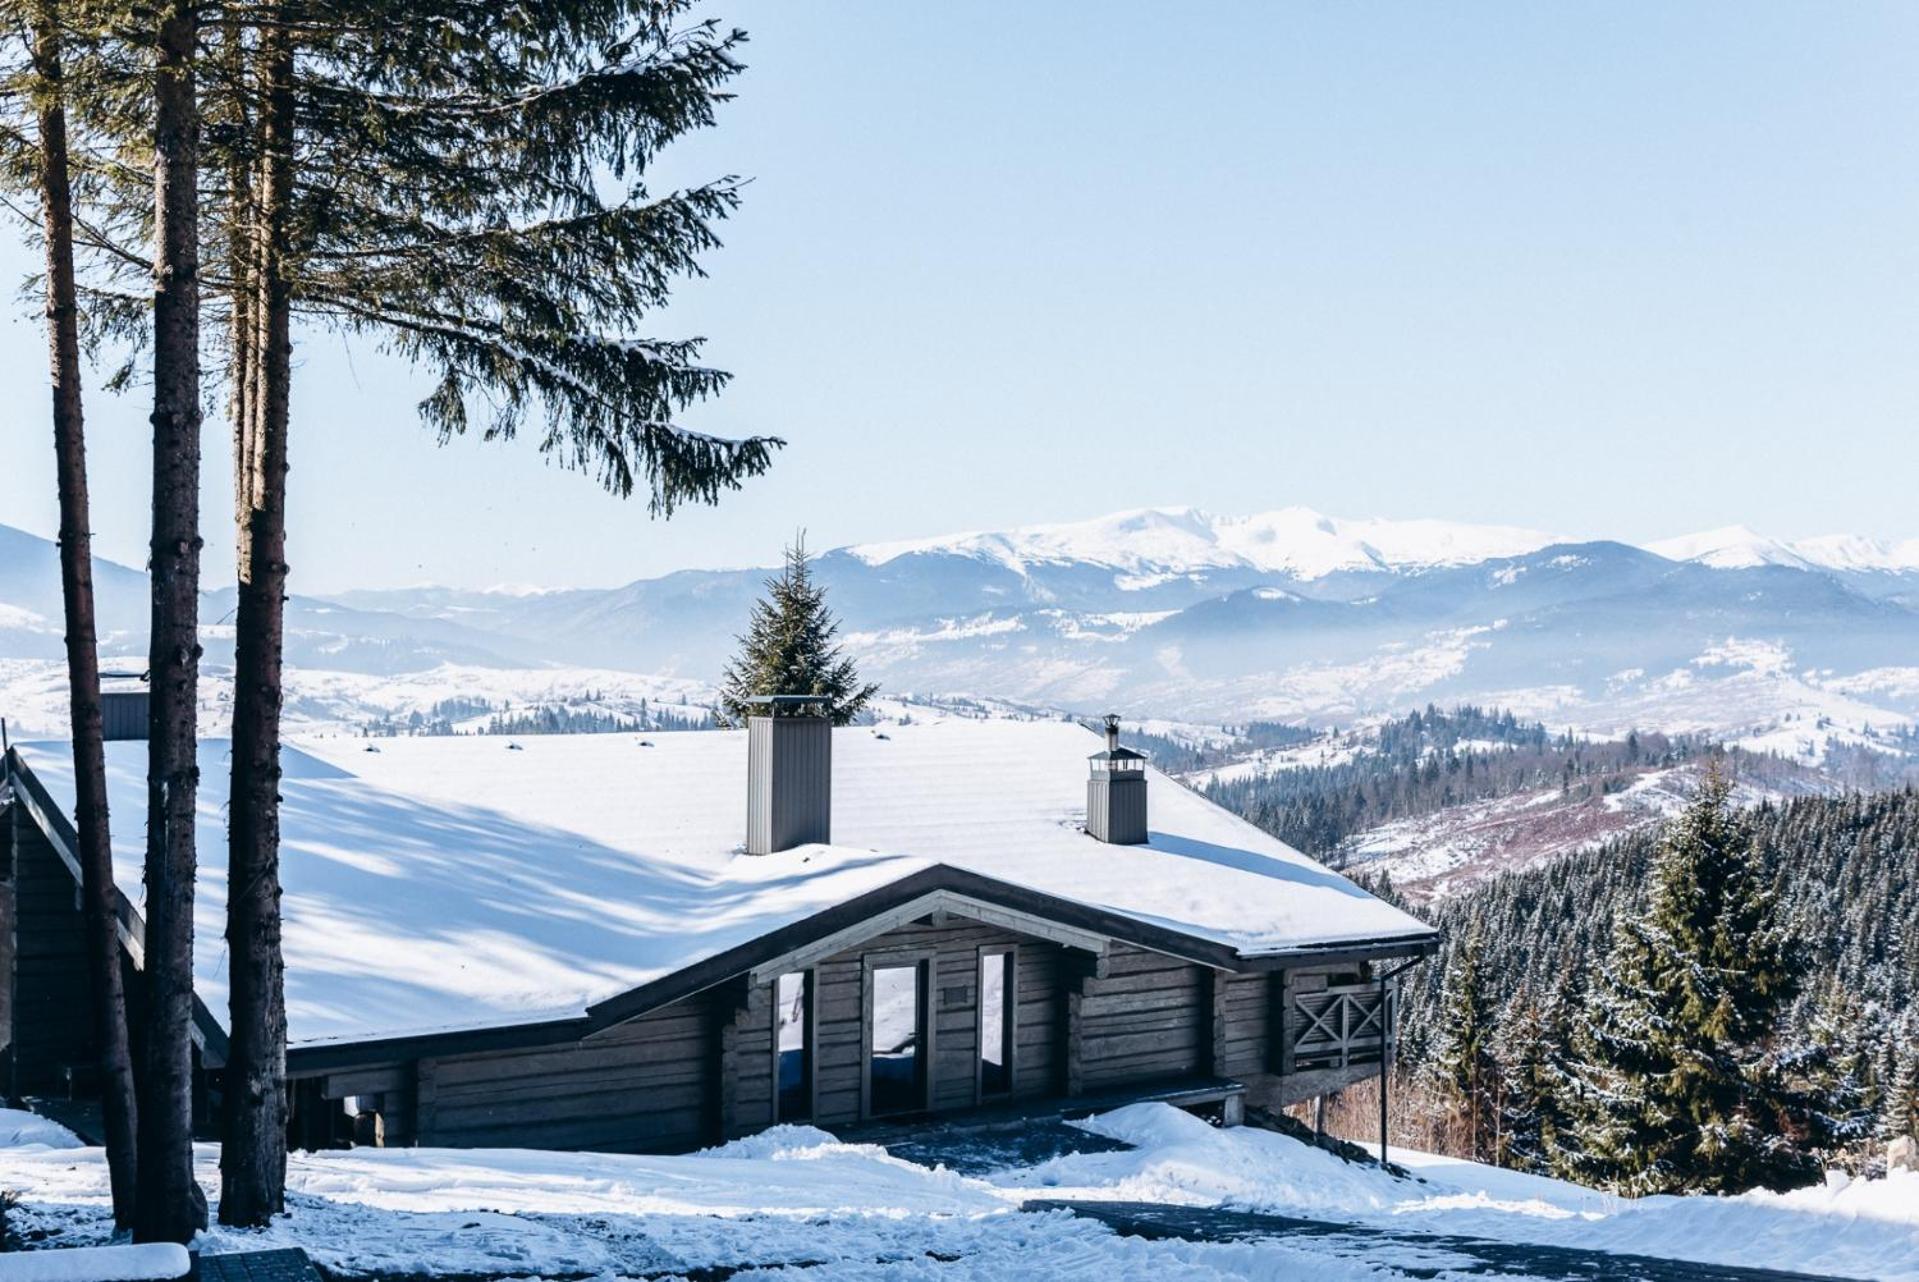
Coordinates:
(335, 1056)
(1423, 944)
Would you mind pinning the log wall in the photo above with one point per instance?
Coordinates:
(1143, 1017)
(647, 1085)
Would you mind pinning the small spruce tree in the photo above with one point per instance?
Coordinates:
(789, 648)
(1899, 1112)
(1677, 1088)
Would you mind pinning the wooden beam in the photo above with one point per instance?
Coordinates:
(727, 1076)
(1216, 984)
(1075, 1083)
(1283, 1023)
(376, 1081)
(425, 1100)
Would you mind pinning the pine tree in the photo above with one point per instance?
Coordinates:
(1677, 1089)
(447, 196)
(171, 1206)
(42, 90)
(1530, 1049)
(1465, 1067)
(789, 648)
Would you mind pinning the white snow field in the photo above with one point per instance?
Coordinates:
(795, 1196)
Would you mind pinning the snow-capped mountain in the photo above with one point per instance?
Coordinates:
(1736, 547)
(1152, 543)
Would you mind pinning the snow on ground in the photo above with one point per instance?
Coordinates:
(1865, 1228)
(20, 1129)
(1852, 1228)
(319, 701)
(147, 1262)
(1471, 842)
(795, 1195)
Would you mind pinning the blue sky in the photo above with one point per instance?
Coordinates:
(1605, 268)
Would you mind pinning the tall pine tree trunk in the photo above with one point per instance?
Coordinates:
(253, 1156)
(171, 1206)
(240, 215)
(97, 891)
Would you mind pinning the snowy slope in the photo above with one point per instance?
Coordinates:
(795, 1196)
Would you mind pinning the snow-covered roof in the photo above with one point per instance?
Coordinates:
(449, 883)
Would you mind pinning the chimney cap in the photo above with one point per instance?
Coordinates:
(1113, 751)
(790, 705)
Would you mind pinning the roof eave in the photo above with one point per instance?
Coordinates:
(1412, 944)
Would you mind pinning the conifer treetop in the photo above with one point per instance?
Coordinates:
(789, 648)
(1680, 1086)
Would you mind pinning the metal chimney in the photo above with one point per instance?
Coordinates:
(1116, 792)
(789, 773)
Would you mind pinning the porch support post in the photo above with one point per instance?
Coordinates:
(1385, 1061)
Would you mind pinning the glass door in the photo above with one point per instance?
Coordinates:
(793, 1047)
(896, 1062)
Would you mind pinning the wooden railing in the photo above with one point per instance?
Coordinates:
(1337, 1027)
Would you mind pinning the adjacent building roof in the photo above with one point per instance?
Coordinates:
(436, 884)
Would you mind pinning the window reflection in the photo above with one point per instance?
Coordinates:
(995, 1025)
(897, 1019)
(792, 1032)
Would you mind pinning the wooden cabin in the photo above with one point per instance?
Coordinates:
(655, 942)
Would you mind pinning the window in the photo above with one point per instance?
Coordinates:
(996, 1006)
(793, 1047)
(896, 1069)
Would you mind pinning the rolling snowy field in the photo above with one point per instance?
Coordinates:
(797, 1199)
